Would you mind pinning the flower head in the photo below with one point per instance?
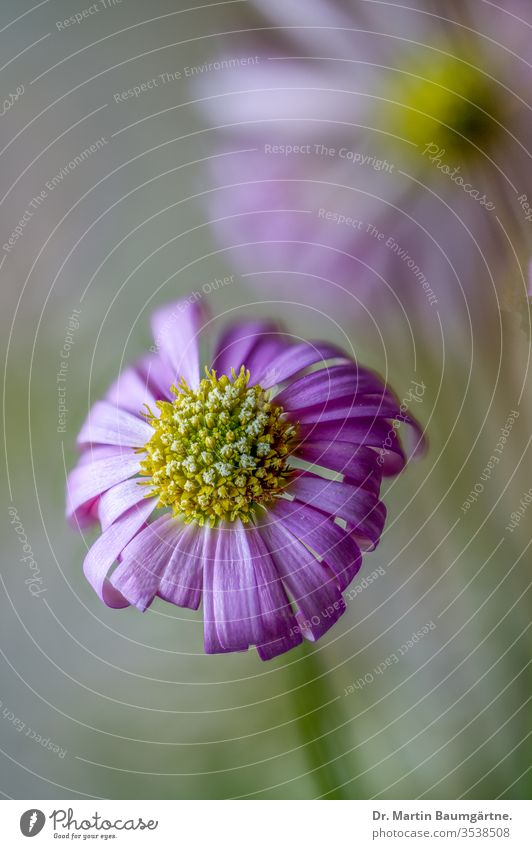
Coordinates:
(253, 488)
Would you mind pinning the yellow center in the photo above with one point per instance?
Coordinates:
(218, 451)
(448, 103)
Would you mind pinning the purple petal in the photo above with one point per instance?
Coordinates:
(312, 585)
(108, 425)
(182, 580)
(339, 393)
(378, 434)
(144, 560)
(342, 409)
(211, 640)
(360, 508)
(342, 381)
(336, 547)
(120, 498)
(131, 390)
(176, 329)
(274, 648)
(93, 475)
(357, 463)
(280, 625)
(159, 377)
(244, 601)
(108, 547)
(295, 359)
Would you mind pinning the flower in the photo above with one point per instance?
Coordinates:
(253, 487)
(383, 150)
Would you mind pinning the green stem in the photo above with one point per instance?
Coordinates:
(317, 716)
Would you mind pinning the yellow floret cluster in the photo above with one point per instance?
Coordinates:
(219, 450)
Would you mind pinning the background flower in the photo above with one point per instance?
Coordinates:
(383, 150)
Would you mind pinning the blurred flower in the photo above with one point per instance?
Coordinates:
(265, 479)
(380, 149)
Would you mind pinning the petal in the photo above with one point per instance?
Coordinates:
(176, 329)
(349, 408)
(159, 377)
(377, 434)
(342, 381)
(242, 345)
(357, 463)
(144, 560)
(312, 585)
(295, 359)
(91, 453)
(131, 390)
(108, 547)
(260, 358)
(211, 640)
(182, 580)
(120, 498)
(359, 508)
(281, 629)
(244, 601)
(274, 648)
(94, 475)
(335, 546)
(344, 392)
(107, 424)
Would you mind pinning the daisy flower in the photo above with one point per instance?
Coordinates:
(251, 486)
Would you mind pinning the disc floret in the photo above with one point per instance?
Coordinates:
(219, 450)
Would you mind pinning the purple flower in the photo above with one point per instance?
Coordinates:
(262, 473)
(379, 149)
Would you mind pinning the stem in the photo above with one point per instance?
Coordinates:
(317, 715)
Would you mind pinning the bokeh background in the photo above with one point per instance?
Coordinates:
(183, 191)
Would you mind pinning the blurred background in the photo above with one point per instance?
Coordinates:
(361, 171)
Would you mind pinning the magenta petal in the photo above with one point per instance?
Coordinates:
(327, 384)
(182, 579)
(237, 344)
(108, 547)
(244, 601)
(108, 425)
(159, 377)
(278, 621)
(364, 513)
(120, 498)
(356, 431)
(312, 586)
(336, 547)
(144, 560)
(92, 476)
(176, 329)
(356, 462)
(131, 391)
(253, 344)
(295, 359)
(377, 434)
(262, 355)
(211, 639)
(281, 645)
(342, 409)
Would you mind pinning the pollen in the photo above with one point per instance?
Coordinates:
(219, 451)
